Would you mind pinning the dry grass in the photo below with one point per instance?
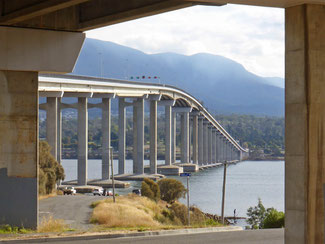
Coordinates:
(128, 211)
(50, 224)
(53, 194)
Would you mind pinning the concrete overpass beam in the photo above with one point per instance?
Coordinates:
(168, 135)
(106, 140)
(153, 136)
(82, 140)
(305, 116)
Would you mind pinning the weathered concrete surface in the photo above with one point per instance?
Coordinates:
(305, 118)
(82, 140)
(39, 50)
(153, 137)
(18, 148)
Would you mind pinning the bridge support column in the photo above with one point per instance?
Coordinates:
(168, 135)
(218, 146)
(305, 116)
(51, 124)
(205, 142)
(59, 132)
(106, 140)
(195, 139)
(213, 138)
(174, 145)
(18, 148)
(185, 137)
(209, 144)
(82, 140)
(139, 136)
(200, 140)
(153, 137)
(121, 136)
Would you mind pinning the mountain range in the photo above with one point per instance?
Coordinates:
(223, 85)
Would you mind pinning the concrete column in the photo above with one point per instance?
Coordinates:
(121, 136)
(185, 137)
(140, 136)
(153, 137)
(19, 148)
(174, 137)
(200, 141)
(189, 140)
(195, 139)
(168, 135)
(51, 124)
(59, 131)
(205, 143)
(82, 140)
(218, 152)
(135, 153)
(209, 144)
(305, 116)
(224, 145)
(213, 138)
(106, 140)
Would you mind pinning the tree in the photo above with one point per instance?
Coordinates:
(274, 219)
(50, 171)
(171, 190)
(256, 215)
(150, 189)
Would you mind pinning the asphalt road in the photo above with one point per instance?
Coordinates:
(74, 210)
(275, 236)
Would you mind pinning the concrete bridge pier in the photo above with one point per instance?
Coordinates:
(195, 139)
(209, 144)
(168, 135)
(174, 136)
(213, 145)
(185, 138)
(59, 132)
(205, 142)
(106, 140)
(200, 140)
(153, 137)
(121, 136)
(51, 124)
(139, 136)
(82, 140)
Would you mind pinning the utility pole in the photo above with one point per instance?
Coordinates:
(223, 192)
(112, 170)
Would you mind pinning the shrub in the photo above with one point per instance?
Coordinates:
(50, 171)
(171, 190)
(180, 212)
(274, 219)
(256, 215)
(150, 189)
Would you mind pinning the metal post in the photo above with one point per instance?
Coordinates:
(188, 201)
(223, 193)
(112, 170)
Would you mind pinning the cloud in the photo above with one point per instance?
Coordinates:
(252, 36)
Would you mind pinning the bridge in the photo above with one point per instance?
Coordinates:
(45, 36)
(211, 144)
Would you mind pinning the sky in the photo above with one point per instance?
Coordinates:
(252, 36)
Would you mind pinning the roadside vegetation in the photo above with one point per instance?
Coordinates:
(148, 211)
(50, 171)
(261, 218)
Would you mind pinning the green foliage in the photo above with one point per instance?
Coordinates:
(150, 189)
(261, 218)
(274, 219)
(256, 215)
(171, 190)
(50, 171)
(256, 132)
(8, 229)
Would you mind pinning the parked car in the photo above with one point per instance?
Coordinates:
(98, 191)
(69, 190)
(137, 191)
(107, 193)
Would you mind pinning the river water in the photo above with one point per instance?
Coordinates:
(246, 182)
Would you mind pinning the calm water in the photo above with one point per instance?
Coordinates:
(246, 182)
